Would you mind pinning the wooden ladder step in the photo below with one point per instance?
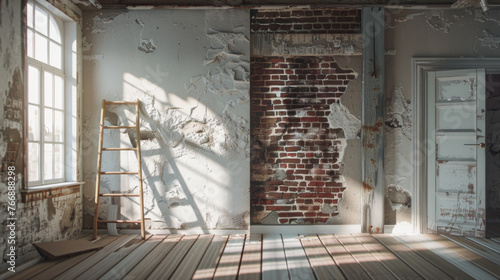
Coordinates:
(117, 173)
(119, 194)
(120, 221)
(119, 149)
(137, 148)
(118, 126)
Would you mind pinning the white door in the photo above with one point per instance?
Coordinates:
(456, 154)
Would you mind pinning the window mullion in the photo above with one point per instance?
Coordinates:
(42, 122)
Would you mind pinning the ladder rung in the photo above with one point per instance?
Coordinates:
(119, 126)
(120, 221)
(119, 194)
(119, 149)
(120, 102)
(116, 173)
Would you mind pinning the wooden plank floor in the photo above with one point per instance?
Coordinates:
(278, 256)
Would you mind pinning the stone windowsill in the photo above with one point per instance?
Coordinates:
(51, 190)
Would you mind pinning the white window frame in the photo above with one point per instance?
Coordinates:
(67, 72)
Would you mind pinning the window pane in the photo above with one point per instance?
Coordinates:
(48, 130)
(29, 36)
(58, 126)
(33, 85)
(58, 161)
(55, 55)
(48, 157)
(41, 48)
(41, 21)
(30, 15)
(58, 92)
(33, 123)
(33, 162)
(48, 90)
(54, 30)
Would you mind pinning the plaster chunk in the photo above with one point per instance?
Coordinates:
(398, 113)
(489, 40)
(147, 46)
(329, 208)
(340, 117)
(271, 219)
(409, 17)
(398, 197)
(439, 23)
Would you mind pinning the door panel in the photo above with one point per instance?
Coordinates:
(455, 161)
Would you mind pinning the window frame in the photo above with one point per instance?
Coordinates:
(46, 67)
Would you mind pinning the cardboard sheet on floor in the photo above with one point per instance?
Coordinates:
(67, 248)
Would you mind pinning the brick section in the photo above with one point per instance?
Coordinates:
(295, 154)
(334, 21)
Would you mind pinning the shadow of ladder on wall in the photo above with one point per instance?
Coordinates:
(100, 172)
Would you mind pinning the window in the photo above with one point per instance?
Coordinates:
(47, 95)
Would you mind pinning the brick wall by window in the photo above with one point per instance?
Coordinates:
(331, 21)
(296, 171)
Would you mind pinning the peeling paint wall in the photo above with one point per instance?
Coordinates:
(41, 220)
(190, 70)
(446, 33)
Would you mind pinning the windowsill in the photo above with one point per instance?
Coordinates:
(52, 190)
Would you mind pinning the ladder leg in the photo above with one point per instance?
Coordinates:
(141, 192)
(98, 177)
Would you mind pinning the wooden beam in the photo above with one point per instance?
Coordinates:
(372, 133)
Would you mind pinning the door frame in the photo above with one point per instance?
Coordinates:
(420, 68)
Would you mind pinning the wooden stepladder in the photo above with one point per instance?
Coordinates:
(100, 172)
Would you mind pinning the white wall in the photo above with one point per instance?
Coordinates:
(424, 33)
(190, 70)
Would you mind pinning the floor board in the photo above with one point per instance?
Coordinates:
(121, 269)
(476, 259)
(273, 258)
(208, 265)
(230, 260)
(188, 265)
(296, 259)
(410, 257)
(92, 260)
(276, 257)
(168, 265)
(251, 261)
(365, 258)
(323, 265)
(146, 265)
(416, 245)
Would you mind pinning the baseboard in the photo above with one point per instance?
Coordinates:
(305, 229)
(388, 228)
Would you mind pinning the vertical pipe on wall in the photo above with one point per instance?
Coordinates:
(372, 133)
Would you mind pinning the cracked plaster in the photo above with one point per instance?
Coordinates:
(194, 94)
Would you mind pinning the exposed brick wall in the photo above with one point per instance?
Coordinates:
(295, 154)
(332, 21)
